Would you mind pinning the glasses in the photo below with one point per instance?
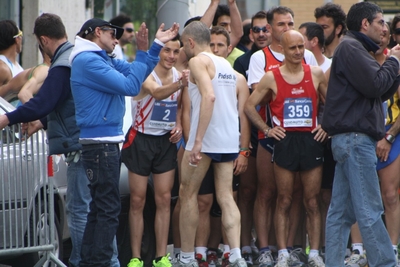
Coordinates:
(129, 30)
(380, 22)
(113, 33)
(258, 29)
(20, 34)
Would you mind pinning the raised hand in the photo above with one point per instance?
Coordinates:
(142, 38)
(167, 35)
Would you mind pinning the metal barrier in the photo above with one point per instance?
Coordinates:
(27, 217)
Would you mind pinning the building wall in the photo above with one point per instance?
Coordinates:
(72, 13)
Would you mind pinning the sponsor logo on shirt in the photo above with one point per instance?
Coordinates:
(297, 91)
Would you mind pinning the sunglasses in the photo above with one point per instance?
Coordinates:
(397, 31)
(258, 29)
(113, 33)
(20, 34)
(130, 30)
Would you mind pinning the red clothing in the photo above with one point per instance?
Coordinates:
(295, 105)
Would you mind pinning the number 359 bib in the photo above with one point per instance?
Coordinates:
(297, 112)
(164, 115)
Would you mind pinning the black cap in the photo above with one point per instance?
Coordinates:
(90, 25)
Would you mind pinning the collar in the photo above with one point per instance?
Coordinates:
(365, 41)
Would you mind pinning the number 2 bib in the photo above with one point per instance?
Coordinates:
(297, 112)
(164, 115)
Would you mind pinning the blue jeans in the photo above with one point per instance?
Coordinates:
(77, 208)
(356, 197)
(102, 166)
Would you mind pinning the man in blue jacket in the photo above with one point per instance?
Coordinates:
(54, 105)
(99, 85)
(354, 118)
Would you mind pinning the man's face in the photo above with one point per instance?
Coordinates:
(107, 39)
(260, 38)
(219, 45)
(169, 54)
(280, 24)
(128, 35)
(293, 48)
(396, 37)
(225, 21)
(375, 28)
(307, 43)
(329, 29)
(186, 42)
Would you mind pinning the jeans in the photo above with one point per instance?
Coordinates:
(102, 166)
(356, 197)
(77, 209)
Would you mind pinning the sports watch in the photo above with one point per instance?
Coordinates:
(245, 152)
(390, 138)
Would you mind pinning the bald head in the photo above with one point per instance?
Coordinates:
(292, 43)
(290, 36)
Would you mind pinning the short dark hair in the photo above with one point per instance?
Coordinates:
(120, 20)
(222, 10)
(360, 11)
(8, 30)
(333, 11)
(278, 10)
(245, 39)
(49, 25)
(197, 18)
(218, 30)
(314, 30)
(395, 20)
(259, 15)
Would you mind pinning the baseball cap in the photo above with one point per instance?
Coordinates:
(90, 25)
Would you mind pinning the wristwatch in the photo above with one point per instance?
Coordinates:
(245, 153)
(390, 138)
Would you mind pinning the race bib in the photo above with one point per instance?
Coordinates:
(297, 112)
(164, 115)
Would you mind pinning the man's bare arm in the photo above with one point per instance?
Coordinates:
(185, 113)
(208, 16)
(32, 86)
(321, 80)
(236, 23)
(12, 87)
(243, 94)
(263, 89)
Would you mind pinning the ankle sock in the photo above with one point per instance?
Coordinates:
(202, 251)
(264, 249)
(246, 249)
(359, 247)
(283, 252)
(177, 251)
(186, 257)
(313, 253)
(234, 255)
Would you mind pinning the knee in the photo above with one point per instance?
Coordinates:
(137, 202)
(311, 205)
(390, 199)
(284, 202)
(204, 205)
(163, 200)
(265, 194)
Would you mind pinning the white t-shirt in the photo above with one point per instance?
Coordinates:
(257, 64)
(326, 65)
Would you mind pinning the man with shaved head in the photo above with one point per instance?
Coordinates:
(298, 139)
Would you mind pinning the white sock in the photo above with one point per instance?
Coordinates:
(359, 247)
(283, 252)
(202, 251)
(186, 257)
(176, 252)
(313, 253)
(234, 255)
(246, 249)
(227, 249)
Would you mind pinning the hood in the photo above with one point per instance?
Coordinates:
(82, 45)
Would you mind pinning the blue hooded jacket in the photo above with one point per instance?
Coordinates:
(99, 84)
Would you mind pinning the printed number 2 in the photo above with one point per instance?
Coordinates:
(165, 118)
(299, 111)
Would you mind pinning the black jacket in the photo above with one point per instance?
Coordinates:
(357, 87)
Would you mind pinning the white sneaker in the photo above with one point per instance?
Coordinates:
(316, 261)
(282, 261)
